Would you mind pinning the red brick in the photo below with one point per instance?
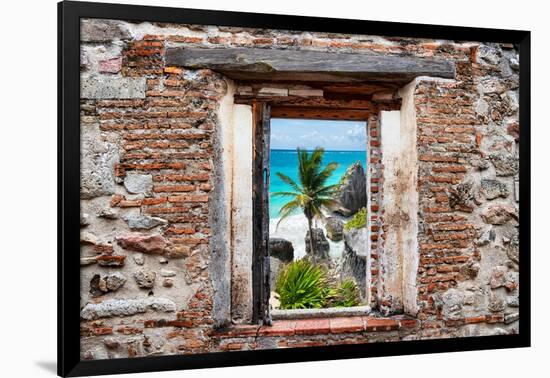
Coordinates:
(180, 323)
(130, 203)
(127, 330)
(115, 199)
(438, 158)
(111, 260)
(498, 318)
(378, 324)
(178, 177)
(154, 201)
(475, 319)
(184, 39)
(279, 328)
(174, 188)
(347, 324)
(233, 346)
(312, 326)
(102, 331)
(103, 249)
(450, 168)
(180, 231)
(173, 70)
(453, 226)
(408, 323)
(188, 198)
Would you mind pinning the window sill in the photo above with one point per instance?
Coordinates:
(320, 326)
(333, 312)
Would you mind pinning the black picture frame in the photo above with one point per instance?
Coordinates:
(69, 15)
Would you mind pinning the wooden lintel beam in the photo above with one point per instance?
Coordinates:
(292, 65)
(320, 103)
(320, 113)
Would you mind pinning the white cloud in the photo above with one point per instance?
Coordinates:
(332, 135)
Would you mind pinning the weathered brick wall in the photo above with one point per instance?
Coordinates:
(374, 185)
(468, 175)
(151, 191)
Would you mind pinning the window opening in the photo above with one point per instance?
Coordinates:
(318, 176)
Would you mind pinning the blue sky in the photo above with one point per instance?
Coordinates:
(310, 133)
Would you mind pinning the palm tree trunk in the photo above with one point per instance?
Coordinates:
(311, 243)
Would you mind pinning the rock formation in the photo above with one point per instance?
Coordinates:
(281, 249)
(335, 229)
(320, 244)
(354, 257)
(352, 193)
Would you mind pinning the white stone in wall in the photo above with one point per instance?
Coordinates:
(112, 87)
(126, 307)
(137, 183)
(143, 222)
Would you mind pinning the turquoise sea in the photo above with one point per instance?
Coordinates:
(286, 161)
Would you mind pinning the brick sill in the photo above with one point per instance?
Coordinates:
(319, 326)
(333, 312)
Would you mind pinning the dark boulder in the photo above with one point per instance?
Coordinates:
(281, 249)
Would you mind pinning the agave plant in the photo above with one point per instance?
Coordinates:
(301, 285)
(346, 294)
(310, 194)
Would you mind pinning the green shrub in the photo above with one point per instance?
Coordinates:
(346, 294)
(303, 285)
(359, 220)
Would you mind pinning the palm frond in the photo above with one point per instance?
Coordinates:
(287, 210)
(284, 194)
(311, 194)
(330, 190)
(321, 177)
(289, 181)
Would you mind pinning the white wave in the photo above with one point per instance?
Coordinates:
(294, 229)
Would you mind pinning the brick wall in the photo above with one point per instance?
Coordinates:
(150, 190)
(374, 219)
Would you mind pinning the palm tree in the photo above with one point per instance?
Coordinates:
(311, 194)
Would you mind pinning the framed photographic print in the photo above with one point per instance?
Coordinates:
(245, 186)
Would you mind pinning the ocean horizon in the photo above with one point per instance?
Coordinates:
(286, 162)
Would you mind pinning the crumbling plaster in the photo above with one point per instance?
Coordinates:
(160, 187)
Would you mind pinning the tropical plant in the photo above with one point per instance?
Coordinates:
(346, 294)
(301, 284)
(310, 194)
(359, 220)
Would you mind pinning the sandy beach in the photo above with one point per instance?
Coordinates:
(294, 229)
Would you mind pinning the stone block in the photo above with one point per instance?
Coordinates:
(109, 87)
(143, 222)
(93, 30)
(492, 189)
(126, 307)
(137, 183)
